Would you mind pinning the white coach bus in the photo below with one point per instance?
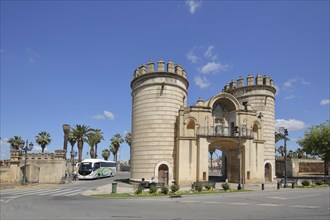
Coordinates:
(96, 168)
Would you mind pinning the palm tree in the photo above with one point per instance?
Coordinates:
(112, 150)
(80, 132)
(72, 139)
(92, 141)
(105, 154)
(116, 140)
(16, 143)
(128, 138)
(279, 136)
(281, 151)
(43, 140)
(66, 130)
(99, 136)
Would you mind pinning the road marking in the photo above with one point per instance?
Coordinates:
(269, 204)
(238, 203)
(65, 193)
(74, 193)
(296, 197)
(304, 206)
(212, 202)
(190, 201)
(49, 192)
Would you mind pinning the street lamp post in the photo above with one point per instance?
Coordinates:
(73, 155)
(284, 132)
(26, 149)
(239, 130)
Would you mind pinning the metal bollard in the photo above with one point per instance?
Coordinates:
(278, 185)
(292, 185)
(262, 186)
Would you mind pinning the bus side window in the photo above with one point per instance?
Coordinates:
(96, 166)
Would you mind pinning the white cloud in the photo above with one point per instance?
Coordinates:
(105, 115)
(325, 102)
(32, 55)
(192, 57)
(209, 54)
(291, 124)
(290, 83)
(4, 143)
(4, 149)
(109, 115)
(290, 97)
(99, 117)
(201, 82)
(193, 5)
(213, 67)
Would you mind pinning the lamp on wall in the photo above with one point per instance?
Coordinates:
(260, 115)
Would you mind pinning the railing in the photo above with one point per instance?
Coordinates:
(220, 131)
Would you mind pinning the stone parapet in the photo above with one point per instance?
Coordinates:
(250, 81)
(150, 68)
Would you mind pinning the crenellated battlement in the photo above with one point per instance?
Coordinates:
(16, 155)
(150, 68)
(250, 81)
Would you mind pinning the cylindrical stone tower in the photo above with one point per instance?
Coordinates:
(259, 93)
(157, 96)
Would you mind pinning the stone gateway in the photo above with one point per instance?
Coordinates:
(171, 141)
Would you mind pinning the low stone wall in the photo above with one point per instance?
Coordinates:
(40, 168)
(300, 167)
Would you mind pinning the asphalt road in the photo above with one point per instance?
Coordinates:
(65, 202)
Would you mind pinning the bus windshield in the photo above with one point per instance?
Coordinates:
(85, 166)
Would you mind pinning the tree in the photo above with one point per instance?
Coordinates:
(316, 142)
(116, 140)
(280, 150)
(112, 150)
(43, 140)
(80, 132)
(16, 143)
(92, 141)
(128, 137)
(72, 139)
(279, 136)
(105, 154)
(66, 130)
(99, 137)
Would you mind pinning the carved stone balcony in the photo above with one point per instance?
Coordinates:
(220, 131)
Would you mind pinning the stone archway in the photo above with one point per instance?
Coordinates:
(268, 172)
(163, 174)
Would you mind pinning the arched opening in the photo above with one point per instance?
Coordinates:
(224, 116)
(268, 172)
(255, 132)
(218, 164)
(191, 128)
(163, 174)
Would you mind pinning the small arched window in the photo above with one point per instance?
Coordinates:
(191, 128)
(256, 132)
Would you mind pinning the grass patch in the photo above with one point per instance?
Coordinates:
(158, 194)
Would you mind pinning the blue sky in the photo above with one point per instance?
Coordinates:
(72, 61)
